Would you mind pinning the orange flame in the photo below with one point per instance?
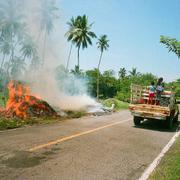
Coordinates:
(23, 104)
(19, 99)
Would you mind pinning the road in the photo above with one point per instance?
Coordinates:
(102, 147)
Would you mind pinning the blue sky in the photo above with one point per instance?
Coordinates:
(133, 28)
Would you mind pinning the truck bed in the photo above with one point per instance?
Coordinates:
(149, 111)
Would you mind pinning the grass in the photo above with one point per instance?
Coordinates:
(1, 100)
(11, 123)
(169, 167)
(119, 105)
(7, 123)
(75, 114)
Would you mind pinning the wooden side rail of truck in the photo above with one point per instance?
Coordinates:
(167, 110)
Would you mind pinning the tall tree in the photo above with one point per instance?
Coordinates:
(134, 72)
(73, 25)
(48, 13)
(103, 45)
(28, 48)
(82, 35)
(15, 43)
(5, 50)
(12, 24)
(122, 73)
(172, 44)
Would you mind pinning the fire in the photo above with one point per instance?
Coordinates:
(19, 95)
(22, 104)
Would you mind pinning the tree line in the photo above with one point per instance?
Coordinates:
(112, 85)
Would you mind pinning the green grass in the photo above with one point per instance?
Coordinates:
(169, 167)
(119, 105)
(75, 114)
(1, 100)
(11, 123)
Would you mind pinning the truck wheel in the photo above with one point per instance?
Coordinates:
(169, 122)
(176, 118)
(137, 120)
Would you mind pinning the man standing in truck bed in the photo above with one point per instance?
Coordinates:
(159, 90)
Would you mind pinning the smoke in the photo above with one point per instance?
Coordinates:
(66, 92)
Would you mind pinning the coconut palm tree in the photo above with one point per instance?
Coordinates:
(82, 35)
(73, 25)
(103, 45)
(5, 50)
(28, 48)
(134, 72)
(12, 23)
(122, 73)
(48, 13)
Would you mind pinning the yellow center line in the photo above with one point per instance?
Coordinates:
(41, 146)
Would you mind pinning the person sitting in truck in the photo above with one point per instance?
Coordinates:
(152, 90)
(159, 90)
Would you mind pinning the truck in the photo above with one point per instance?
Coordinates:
(166, 109)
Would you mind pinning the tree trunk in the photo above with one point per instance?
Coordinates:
(98, 74)
(2, 61)
(44, 48)
(67, 65)
(11, 56)
(78, 57)
(10, 61)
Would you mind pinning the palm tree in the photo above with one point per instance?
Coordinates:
(122, 73)
(134, 72)
(73, 25)
(12, 24)
(82, 34)
(76, 71)
(17, 67)
(102, 44)
(28, 48)
(48, 13)
(5, 50)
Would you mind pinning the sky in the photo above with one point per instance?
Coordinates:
(133, 28)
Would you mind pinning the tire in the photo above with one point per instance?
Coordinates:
(137, 120)
(176, 117)
(169, 122)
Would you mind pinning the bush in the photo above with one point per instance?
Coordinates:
(123, 96)
(118, 104)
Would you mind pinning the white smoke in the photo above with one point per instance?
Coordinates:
(43, 83)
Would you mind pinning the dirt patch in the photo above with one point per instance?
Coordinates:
(23, 159)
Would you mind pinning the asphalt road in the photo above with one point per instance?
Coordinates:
(103, 147)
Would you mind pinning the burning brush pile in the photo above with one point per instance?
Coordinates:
(21, 104)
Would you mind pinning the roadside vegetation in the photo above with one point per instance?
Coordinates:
(20, 55)
(119, 105)
(6, 123)
(169, 167)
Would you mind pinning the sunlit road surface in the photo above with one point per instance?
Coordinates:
(101, 147)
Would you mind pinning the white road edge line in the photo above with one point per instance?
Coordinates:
(157, 160)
